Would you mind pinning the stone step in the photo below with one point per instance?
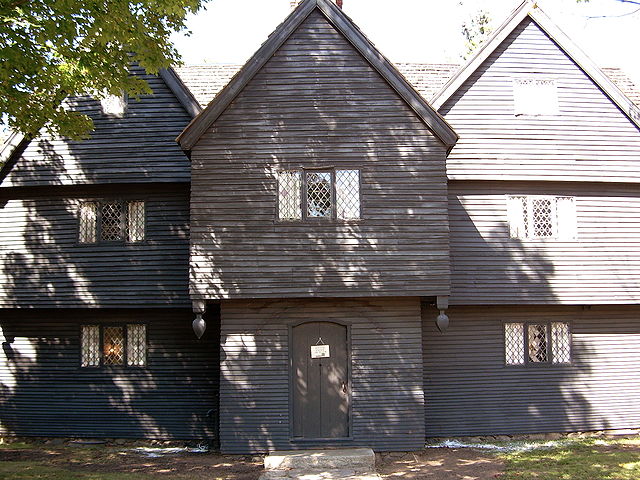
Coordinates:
(324, 475)
(357, 460)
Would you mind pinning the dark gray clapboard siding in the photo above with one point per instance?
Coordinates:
(469, 390)
(591, 139)
(602, 265)
(140, 147)
(318, 103)
(43, 265)
(386, 387)
(45, 392)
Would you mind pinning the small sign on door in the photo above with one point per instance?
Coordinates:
(320, 351)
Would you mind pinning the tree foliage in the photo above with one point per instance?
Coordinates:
(52, 49)
(476, 30)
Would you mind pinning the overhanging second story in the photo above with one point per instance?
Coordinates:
(318, 170)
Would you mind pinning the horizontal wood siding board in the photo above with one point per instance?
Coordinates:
(43, 265)
(601, 265)
(46, 393)
(386, 372)
(140, 147)
(469, 390)
(591, 139)
(342, 120)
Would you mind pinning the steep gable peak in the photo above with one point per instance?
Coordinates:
(337, 18)
(530, 9)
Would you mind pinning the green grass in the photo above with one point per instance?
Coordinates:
(38, 471)
(578, 460)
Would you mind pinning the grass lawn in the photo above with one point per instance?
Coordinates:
(568, 459)
(38, 461)
(587, 459)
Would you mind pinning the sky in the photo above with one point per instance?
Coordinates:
(230, 31)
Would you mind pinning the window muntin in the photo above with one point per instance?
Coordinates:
(289, 190)
(113, 345)
(111, 221)
(318, 194)
(540, 217)
(348, 194)
(90, 345)
(135, 221)
(537, 343)
(88, 222)
(535, 96)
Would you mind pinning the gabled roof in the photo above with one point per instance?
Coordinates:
(180, 90)
(206, 81)
(192, 133)
(16, 142)
(530, 9)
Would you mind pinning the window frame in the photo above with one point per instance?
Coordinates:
(125, 338)
(529, 219)
(305, 217)
(518, 90)
(99, 202)
(525, 345)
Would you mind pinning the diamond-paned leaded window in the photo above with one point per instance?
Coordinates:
(537, 339)
(348, 194)
(542, 217)
(135, 221)
(113, 345)
(289, 195)
(136, 345)
(90, 346)
(537, 343)
(561, 342)
(319, 194)
(87, 222)
(514, 343)
(534, 216)
(111, 222)
(326, 194)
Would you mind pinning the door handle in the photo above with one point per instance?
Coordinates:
(344, 387)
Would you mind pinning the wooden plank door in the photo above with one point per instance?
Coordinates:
(320, 385)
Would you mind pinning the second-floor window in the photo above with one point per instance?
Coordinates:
(540, 217)
(317, 194)
(111, 221)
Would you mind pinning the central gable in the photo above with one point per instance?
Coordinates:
(339, 22)
(318, 102)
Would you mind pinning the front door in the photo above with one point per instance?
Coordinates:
(320, 376)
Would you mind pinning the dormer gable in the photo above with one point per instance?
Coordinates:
(532, 106)
(133, 141)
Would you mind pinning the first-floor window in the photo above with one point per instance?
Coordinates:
(111, 221)
(316, 194)
(537, 343)
(124, 345)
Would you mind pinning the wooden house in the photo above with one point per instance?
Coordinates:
(372, 269)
